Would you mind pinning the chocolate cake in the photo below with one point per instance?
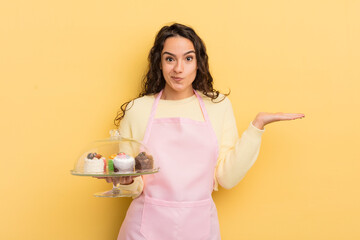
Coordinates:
(143, 161)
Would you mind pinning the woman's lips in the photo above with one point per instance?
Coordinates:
(177, 78)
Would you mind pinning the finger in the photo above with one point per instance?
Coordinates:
(290, 116)
(116, 180)
(295, 114)
(124, 180)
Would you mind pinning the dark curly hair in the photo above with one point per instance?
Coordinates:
(154, 81)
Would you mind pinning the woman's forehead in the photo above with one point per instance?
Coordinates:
(178, 45)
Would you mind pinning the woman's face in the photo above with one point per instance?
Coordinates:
(178, 65)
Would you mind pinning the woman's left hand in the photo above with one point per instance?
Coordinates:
(264, 118)
(125, 180)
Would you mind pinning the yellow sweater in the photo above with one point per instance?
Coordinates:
(236, 155)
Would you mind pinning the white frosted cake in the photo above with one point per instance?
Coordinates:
(94, 163)
(124, 163)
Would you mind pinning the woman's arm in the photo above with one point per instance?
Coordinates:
(237, 155)
(133, 184)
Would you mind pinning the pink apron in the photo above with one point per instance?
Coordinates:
(176, 202)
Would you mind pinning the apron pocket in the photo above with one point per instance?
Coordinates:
(176, 220)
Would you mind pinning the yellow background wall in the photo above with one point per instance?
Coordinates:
(66, 67)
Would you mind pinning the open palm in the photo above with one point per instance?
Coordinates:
(264, 118)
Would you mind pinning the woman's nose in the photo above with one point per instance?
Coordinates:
(179, 67)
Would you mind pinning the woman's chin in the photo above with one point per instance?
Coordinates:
(179, 88)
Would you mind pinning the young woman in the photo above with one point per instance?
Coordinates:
(191, 131)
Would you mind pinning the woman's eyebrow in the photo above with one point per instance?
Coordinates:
(191, 51)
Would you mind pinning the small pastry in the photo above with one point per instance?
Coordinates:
(123, 163)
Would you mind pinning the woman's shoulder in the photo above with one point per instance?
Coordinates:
(221, 101)
(218, 107)
(144, 100)
(139, 106)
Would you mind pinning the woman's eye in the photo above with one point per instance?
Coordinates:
(169, 59)
(189, 58)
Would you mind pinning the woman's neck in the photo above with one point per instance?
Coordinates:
(170, 94)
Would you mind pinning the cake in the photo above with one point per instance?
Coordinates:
(123, 163)
(95, 163)
(110, 165)
(143, 162)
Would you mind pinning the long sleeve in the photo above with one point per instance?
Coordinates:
(136, 186)
(236, 155)
(126, 131)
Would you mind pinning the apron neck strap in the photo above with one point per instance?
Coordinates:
(202, 106)
(154, 106)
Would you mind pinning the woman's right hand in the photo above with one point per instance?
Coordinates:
(264, 118)
(119, 180)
